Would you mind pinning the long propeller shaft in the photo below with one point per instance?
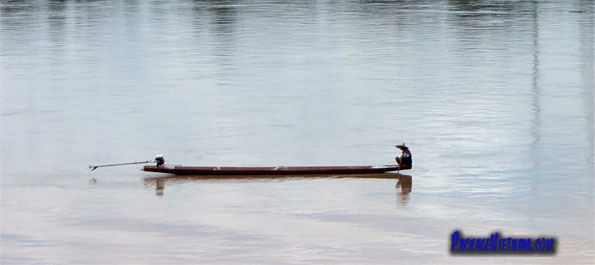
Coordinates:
(93, 167)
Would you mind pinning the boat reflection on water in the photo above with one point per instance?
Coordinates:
(403, 181)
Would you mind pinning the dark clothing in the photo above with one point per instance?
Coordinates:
(406, 158)
(405, 161)
(160, 161)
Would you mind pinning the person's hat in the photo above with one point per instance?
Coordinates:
(402, 146)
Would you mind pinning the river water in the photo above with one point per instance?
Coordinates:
(495, 99)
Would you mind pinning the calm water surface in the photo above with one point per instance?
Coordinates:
(495, 99)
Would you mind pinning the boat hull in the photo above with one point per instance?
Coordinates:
(281, 170)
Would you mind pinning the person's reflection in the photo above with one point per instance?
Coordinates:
(405, 183)
(158, 183)
(159, 187)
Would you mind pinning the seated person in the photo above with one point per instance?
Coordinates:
(405, 161)
(159, 160)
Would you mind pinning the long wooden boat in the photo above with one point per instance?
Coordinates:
(280, 170)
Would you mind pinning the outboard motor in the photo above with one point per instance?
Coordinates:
(159, 160)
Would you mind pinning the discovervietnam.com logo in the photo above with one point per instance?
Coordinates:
(496, 243)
